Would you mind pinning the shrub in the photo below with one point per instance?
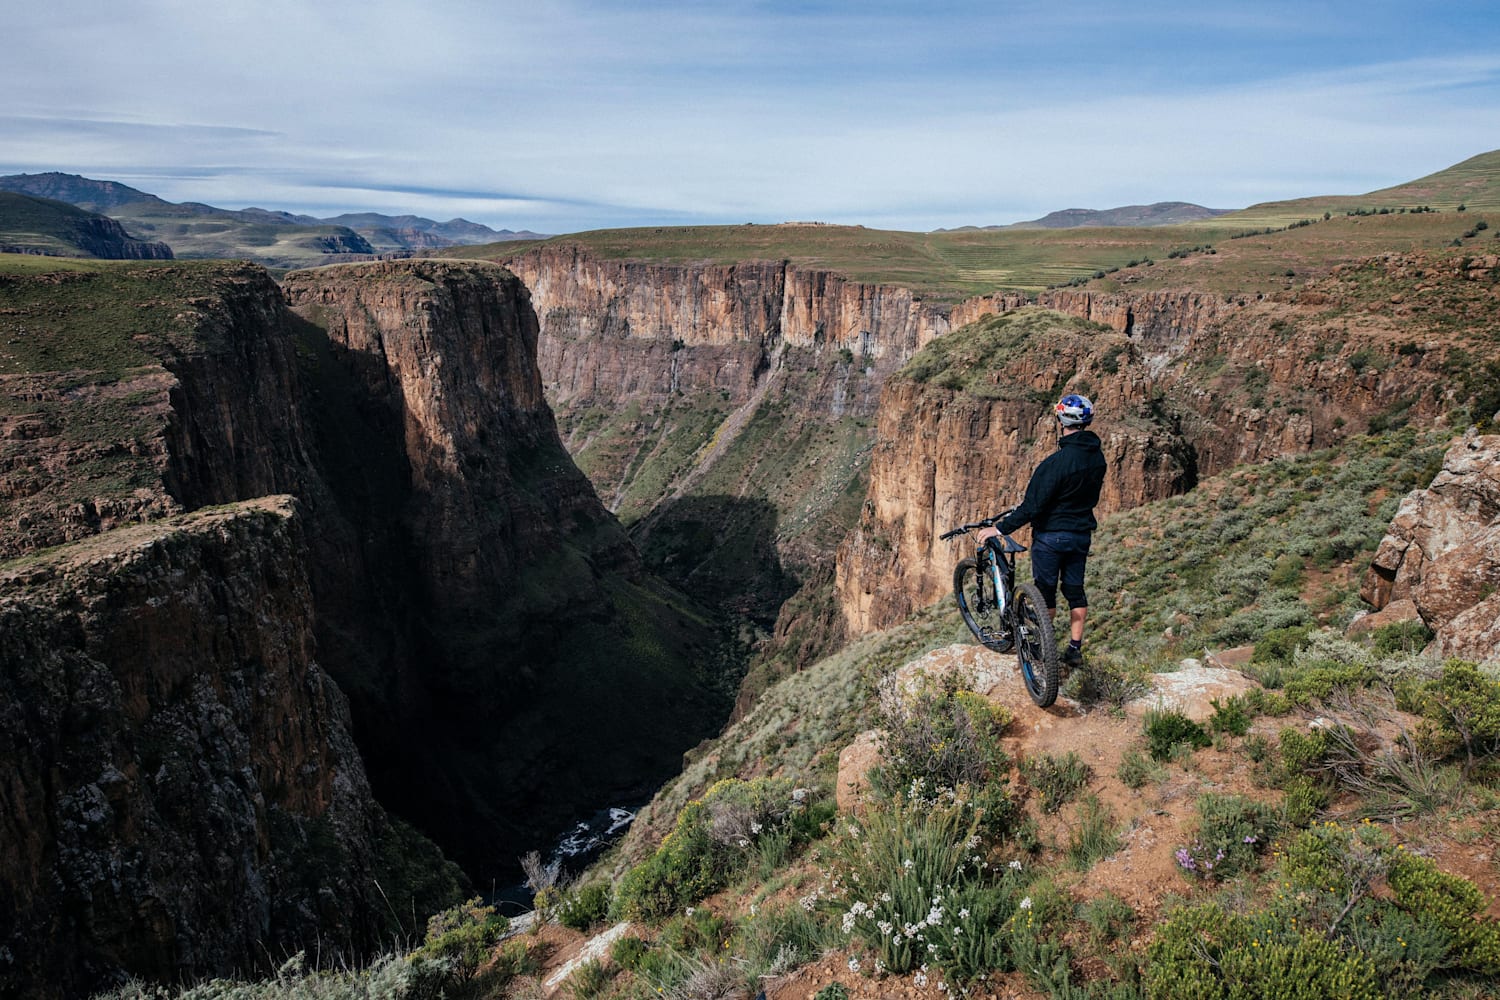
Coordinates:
(588, 980)
(1208, 953)
(465, 935)
(833, 991)
(1095, 837)
(941, 734)
(1232, 831)
(1058, 779)
(912, 868)
(1279, 645)
(1461, 711)
(1103, 679)
(1166, 728)
(628, 952)
(1137, 769)
(712, 839)
(1401, 637)
(1232, 717)
(584, 906)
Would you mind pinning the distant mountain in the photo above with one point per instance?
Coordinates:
(83, 192)
(57, 229)
(273, 238)
(1162, 213)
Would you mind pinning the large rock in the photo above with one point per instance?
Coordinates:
(1442, 552)
(181, 792)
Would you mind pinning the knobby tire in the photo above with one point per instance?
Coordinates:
(975, 594)
(1036, 652)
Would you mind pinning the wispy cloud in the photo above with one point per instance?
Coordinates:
(577, 113)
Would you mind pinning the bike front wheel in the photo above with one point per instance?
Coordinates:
(1036, 651)
(980, 606)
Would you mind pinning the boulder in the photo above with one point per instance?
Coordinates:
(1442, 552)
(1191, 691)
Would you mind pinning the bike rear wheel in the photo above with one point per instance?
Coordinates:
(980, 607)
(1036, 650)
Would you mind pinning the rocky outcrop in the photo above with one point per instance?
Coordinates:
(180, 786)
(1442, 552)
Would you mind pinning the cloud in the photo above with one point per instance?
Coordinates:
(574, 114)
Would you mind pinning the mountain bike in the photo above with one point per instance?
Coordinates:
(1005, 615)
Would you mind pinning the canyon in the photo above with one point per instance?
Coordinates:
(505, 659)
(488, 526)
(1188, 384)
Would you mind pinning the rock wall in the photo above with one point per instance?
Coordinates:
(507, 662)
(616, 327)
(533, 671)
(1187, 385)
(1442, 552)
(180, 789)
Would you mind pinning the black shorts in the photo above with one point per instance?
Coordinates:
(1060, 555)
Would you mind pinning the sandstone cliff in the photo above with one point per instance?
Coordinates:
(1187, 385)
(181, 790)
(506, 660)
(536, 671)
(1443, 552)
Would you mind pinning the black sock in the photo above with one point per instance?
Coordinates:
(1075, 643)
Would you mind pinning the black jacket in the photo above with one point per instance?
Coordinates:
(1063, 489)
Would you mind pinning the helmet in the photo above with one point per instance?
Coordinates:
(1074, 410)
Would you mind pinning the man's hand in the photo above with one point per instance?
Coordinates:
(985, 534)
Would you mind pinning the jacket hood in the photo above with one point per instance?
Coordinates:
(1087, 440)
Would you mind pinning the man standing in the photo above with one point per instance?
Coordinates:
(1059, 506)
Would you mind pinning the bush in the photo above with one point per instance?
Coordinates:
(1057, 779)
(1166, 728)
(712, 839)
(584, 906)
(1279, 645)
(1137, 769)
(941, 734)
(912, 868)
(1095, 837)
(1402, 637)
(465, 935)
(628, 952)
(1232, 831)
(1461, 712)
(1232, 717)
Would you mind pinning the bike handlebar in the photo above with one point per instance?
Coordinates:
(964, 529)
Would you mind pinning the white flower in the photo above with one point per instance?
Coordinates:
(886, 927)
(885, 897)
(1015, 866)
(963, 914)
(754, 908)
(799, 794)
(744, 842)
(755, 827)
(920, 979)
(908, 864)
(935, 916)
(853, 965)
(690, 911)
(1026, 903)
(879, 967)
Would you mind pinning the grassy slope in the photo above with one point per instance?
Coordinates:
(950, 266)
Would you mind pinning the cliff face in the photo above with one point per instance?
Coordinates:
(1442, 552)
(1186, 385)
(539, 672)
(180, 785)
(507, 662)
(724, 412)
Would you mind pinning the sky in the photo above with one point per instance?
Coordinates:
(565, 115)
